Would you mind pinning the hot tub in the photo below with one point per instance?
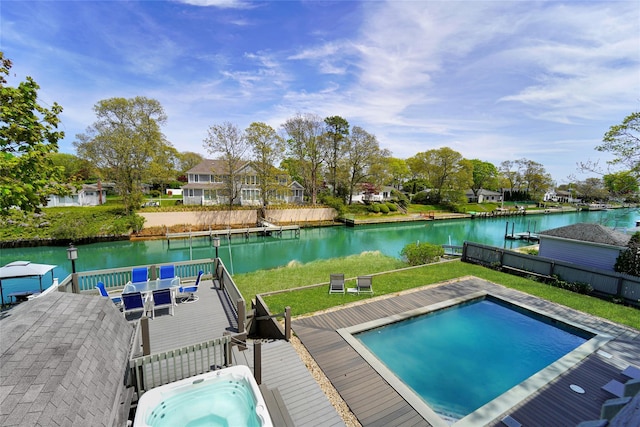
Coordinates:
(227, 397)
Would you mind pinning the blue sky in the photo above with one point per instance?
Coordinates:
(498, 80)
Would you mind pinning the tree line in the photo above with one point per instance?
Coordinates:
(331, 159)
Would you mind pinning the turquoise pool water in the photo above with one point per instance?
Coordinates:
(460, 358)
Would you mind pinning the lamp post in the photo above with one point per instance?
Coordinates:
(216, 244)
(72, 255)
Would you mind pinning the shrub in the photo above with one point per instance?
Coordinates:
(421, 253)
(402, 198)
(333, 202)
(383, 208)
(392, 207)
(421, 198)
(375, 208)
(629, 260)
(155, 193)
(578, 287)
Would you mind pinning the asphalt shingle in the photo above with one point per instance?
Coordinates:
(47, 370)
(586, 232)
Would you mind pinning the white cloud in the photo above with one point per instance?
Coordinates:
(223, 4)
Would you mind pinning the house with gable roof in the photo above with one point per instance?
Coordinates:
(206, 185)
(87, 195)
(483, 196)
(590, 245)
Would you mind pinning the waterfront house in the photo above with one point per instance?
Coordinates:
(560, 196)
(366, 194)
(591, 245)
(207, 185)
(88, 195)
(483, 196)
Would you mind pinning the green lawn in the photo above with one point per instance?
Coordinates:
(313, 299)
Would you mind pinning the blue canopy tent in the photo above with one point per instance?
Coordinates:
(21, 269)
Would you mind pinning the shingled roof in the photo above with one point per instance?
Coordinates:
(217, 166)
(586, 232)
(63, 359)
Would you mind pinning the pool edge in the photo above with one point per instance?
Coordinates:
(502, 403)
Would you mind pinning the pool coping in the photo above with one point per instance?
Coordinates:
(494, 408)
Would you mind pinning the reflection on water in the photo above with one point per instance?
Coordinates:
(242, 255)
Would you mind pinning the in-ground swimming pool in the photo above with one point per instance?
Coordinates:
(226, 397)
(460, 355)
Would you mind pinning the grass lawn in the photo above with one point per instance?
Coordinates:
(314, 299)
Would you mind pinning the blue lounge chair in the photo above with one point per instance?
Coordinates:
(191, 290)
(133, 302)
(104, 293)
(161, 298)
(336, 284)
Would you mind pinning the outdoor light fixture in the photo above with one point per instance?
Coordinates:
(216, 244)
(72, 255)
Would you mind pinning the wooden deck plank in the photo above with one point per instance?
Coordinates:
(375, 403)
(282, 369)
(192, 322)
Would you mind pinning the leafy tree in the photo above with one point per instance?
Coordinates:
(124, 142)
(163, 170)
(73, 167)
(28, 137)
(511, 176)
(188, 160)
(623, 141)
(361, 153)
(337, 130)
(266, 148)
(524, 177)
(446, 172)
(306, 145)
(231, 144)
(591, 190)
(396, 170)
(621, 184)
(485, 176)
(537, 181)
(629, 260)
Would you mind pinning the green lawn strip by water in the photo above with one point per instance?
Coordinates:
(297, 275)
(310, 300)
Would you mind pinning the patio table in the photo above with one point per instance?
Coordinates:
(147, 288)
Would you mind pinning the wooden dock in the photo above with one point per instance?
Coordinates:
(529, 236)
(270, 230)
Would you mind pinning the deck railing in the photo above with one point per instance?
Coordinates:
(116, 278)
(165, 367)
(229, 287)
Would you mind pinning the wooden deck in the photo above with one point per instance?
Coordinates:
(282, 369)
(375, 403)
(193, 322)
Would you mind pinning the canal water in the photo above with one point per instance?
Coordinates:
(242, 255)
